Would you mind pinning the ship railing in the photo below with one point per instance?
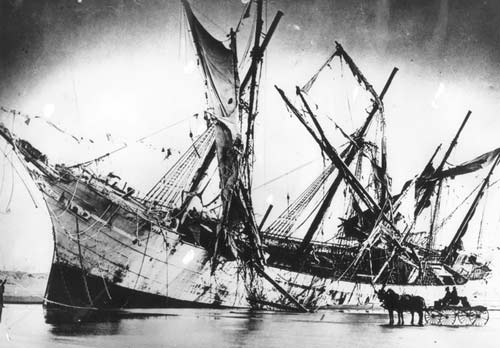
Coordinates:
(293, 243)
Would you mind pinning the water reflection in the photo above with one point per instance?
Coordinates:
(86, 329)
(25, 327)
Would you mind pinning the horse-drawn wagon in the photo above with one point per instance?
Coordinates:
(439, 314)
(457, 315)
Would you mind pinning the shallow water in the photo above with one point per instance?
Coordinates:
(24, 326)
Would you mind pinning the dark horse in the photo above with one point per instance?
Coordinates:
(401, 303)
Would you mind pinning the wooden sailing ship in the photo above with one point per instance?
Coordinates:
(113, 249)
(377, 241)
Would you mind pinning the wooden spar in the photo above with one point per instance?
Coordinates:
(430, 237)
(430, 189)
(271, 30)
(251, 75)
(200, 173)
(256, 55)
(297, 114)
(449, 252)
(234, 51)
(344, 171)
(251, 224)
(357, 72)
(346, 174)
(337, 161)
(454, 142)
(383, 172)
(307, 86)
(350, 153)
(256, 59)
(432, 158)
(263, 221)
(292, 299)
(263, 47)
(437, 204)
(375, 106)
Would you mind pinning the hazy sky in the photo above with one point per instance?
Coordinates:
(127, 68)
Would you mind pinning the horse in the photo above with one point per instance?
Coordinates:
(401, 303)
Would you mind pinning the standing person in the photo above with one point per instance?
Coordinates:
(2, 289)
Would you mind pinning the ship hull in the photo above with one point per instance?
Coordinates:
(106, 258)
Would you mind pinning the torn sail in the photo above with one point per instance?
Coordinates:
(218, 64)
(477, 163)
(219, 67)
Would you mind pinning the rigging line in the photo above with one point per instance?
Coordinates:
(143, 258)
(223, 30)
(4, 175)
(71, 199)
(266, 29)
(248, 46)
(7, 207)
(289, 233)
(91, 226)
(345, 91)
(285, 174)
(461, 203)
(125, 145)
(246, 9)
(209, 180)
(71, 236)
(447, 218)
(22, 180)
(163, 129)
(180, 33)
(480, 233)
(3, 168)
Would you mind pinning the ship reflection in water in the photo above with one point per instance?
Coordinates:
(24, 326)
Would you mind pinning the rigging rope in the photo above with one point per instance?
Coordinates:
(480, 233)
(97, 159)
(22, 180)
(285, 174)
(200, 12)
(11, 195)
(244, 14)
(7, 207)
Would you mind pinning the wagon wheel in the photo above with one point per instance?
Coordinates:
(448, 317)
(427, 316)
(434, 317)
(464, 317)
(480, 318)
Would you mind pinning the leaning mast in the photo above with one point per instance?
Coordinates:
(450, 251)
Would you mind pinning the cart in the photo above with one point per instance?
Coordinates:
(457, 316)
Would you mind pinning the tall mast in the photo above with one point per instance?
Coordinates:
(437, 202)
(428, 192)
(257, 54)
(435, 213)
(449, 251)
(327, 148)
(256, 59)
(350, 154)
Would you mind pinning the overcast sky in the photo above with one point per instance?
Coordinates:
(127, 68)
